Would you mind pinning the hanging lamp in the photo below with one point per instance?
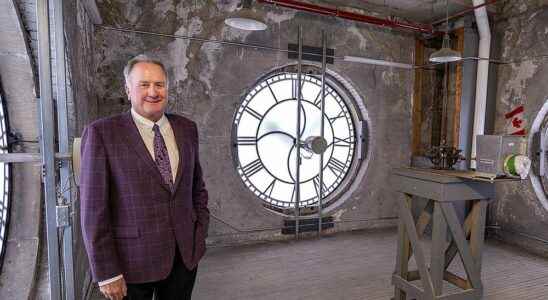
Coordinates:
(446, 54)
(246, 18)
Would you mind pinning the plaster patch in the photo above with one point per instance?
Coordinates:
(232, 34)
(178, 49)
(280, 17)
(162, 7)
(133, 12)
(387, 77)
(337, 216)
(355, 31)
(227, 6)
(212, 52)
(195, 26)
(523, 72)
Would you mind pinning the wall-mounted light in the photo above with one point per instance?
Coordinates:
(446, 54)
(246, 18)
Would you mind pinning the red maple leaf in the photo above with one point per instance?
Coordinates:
(516, 122)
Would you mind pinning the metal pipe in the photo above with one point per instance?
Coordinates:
(336, 12)
(297, 187)
(377, 62)
(63, 146)
(482, 77)
(240, 230)
(47, 146)
(322, 131)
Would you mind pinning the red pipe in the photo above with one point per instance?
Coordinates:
(324, 10)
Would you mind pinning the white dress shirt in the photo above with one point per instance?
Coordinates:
(144, 126)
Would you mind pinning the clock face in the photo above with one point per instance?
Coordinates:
(265, 140)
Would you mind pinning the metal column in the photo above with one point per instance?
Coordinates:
(64, 165)
(298, 135)
(322, 108)
(47, 146)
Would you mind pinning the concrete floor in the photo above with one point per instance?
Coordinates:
(355, 265)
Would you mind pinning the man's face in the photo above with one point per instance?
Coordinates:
(147, 90)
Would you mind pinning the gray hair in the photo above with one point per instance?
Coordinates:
(142, 58)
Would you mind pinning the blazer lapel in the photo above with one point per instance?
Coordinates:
(135, 141)
(181, 139)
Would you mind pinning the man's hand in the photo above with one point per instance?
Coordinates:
(115, 290)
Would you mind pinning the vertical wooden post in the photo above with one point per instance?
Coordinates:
(417, 99)
(458, 89)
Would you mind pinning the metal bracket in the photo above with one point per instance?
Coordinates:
(63, 215)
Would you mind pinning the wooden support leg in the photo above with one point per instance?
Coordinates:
(462, 244)
(437, 259)
(407, 217)
(404, 250)
(477, 234)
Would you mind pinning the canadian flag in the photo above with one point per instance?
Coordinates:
(515, 123)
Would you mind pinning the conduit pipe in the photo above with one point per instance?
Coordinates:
(482, 22)
(324, 10)
(377, 62)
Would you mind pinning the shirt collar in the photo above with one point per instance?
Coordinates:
(146, 122)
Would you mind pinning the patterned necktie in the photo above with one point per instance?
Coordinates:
(162, 157)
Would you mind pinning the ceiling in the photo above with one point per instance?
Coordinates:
(421, 11)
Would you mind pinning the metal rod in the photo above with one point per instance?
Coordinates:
(63, 146)
(377, 62)
(20, 157)
(324, 10)
(364, 60)
(298, 135)
(29, 157)
(239, 230)
(443, 136)
(322, 131)
(47, 146)
(260, 47)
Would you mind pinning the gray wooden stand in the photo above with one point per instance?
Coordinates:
(442, 188)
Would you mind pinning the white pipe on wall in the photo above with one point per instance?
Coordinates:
(482, 22)
(377, 62)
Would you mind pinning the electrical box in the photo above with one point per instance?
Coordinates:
(492, 150)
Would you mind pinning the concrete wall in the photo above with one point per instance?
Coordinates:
(79, 32)
(522, 34)
(19, 272)
(207, 81)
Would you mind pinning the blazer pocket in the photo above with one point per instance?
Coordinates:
(126, 232)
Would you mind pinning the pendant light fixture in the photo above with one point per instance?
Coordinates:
(246, 18)
(446, 54)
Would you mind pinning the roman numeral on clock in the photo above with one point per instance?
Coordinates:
(269, 188)
(337, 142)
(316, 181)
(254, 113)
(336, 166)
(252, 168)
(247, 141)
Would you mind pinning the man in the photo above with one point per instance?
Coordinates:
(143, 200)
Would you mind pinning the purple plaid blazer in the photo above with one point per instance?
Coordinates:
(131, 220)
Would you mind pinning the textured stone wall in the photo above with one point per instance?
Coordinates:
(207, 81)
(79, 32)
(523, 36)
